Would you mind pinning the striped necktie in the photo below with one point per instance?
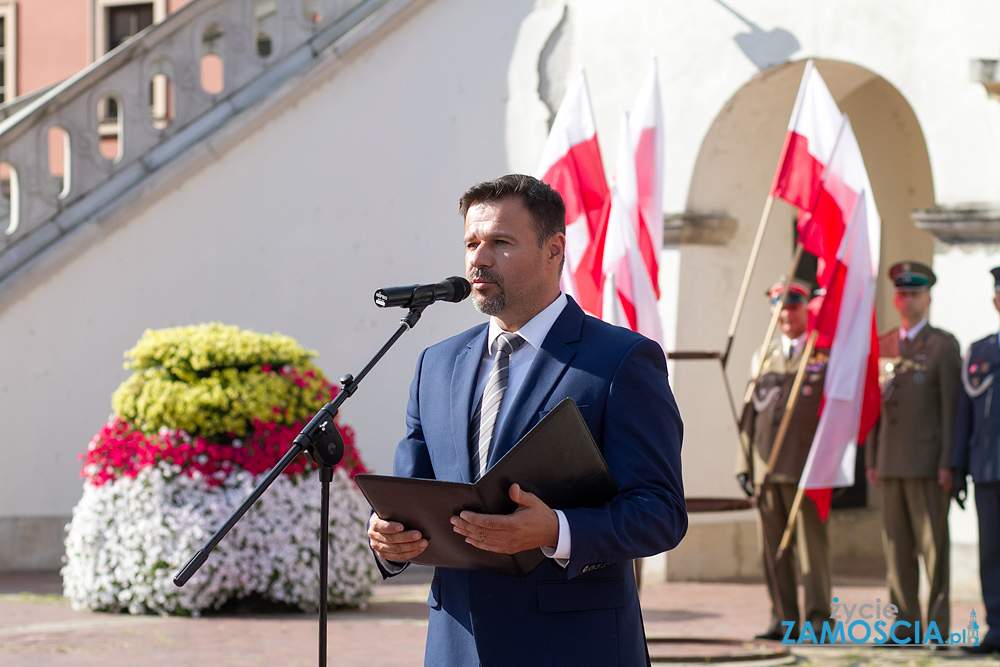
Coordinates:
(485, 419)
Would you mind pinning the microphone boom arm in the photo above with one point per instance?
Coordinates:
(320, 440)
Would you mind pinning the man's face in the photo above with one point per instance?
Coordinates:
(793, 319)
(996, 301)
(912, 305)
(512, 277)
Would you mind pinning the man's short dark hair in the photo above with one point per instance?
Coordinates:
(543, 203)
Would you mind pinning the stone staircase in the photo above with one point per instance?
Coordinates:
(77, 153)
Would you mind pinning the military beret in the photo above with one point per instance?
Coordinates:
(911, 276)
(798, 291)
(996, 277)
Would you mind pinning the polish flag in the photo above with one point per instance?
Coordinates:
(571, 164)
(812, 133)
(629, 296)
(646, 144)
(846, 208)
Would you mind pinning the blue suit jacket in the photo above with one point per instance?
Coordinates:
(587, 613)
(977, 420)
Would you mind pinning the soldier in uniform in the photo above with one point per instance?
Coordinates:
(977, 453)
(777, 491)
(910, 457)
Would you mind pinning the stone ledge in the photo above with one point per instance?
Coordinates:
(963, 224)
(697, 228)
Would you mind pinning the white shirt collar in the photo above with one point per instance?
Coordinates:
(910, 334)
(534, 330)
(799, 341)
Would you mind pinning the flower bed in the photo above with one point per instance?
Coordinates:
(208, 411)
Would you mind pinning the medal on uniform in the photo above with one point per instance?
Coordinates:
(918, 377)
(976, 377)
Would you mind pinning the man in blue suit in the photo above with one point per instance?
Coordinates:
(581, 606)
(977, 453)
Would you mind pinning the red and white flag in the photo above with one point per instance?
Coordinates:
(629, 296)
(851, 399)
(646, 145)
(623, 259)
(571, 164)
(812, 133)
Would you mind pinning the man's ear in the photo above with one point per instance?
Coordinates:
(556, 247)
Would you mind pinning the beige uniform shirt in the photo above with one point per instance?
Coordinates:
(919, 395)
(763, 416)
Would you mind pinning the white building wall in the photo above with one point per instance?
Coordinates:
(354, 186)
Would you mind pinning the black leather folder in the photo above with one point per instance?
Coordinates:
(557, 460)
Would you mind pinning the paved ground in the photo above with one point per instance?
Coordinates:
(37, 627)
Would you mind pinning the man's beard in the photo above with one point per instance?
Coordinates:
(493, 305)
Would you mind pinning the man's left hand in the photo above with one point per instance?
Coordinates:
(532, 525)
(945, 479)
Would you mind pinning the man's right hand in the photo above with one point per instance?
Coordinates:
(959, 487)
(873, 479)
(746, 484)
(391, 541)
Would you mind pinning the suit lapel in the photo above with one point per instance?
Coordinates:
(550, 364)
(993, 355)
(463, 385)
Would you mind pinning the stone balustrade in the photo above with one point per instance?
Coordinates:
(67, 156)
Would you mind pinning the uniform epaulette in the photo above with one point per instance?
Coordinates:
(888, 334)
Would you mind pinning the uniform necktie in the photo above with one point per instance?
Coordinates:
(791, 349)
(485, 419)
(902, 345)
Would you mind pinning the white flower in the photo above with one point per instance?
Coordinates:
(129, 538)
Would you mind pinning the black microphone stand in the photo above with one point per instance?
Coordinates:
(323, 445)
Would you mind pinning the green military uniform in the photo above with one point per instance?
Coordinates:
(761, 422)
(919, 394)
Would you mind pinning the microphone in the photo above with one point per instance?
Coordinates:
(452, 289)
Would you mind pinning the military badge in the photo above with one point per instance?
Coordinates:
(976, 377)
(974, 374)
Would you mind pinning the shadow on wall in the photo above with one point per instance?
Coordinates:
(764, 48)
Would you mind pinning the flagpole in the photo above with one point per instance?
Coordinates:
(770, 562)
(775, 314)
(747, 273)
(797, 503)
(752, 384)
(793, 398)
(779, 442)
(790, 526)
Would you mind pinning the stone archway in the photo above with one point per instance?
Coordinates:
(730, 180)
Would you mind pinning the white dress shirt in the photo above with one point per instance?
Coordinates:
(910, 334)
(786, 344)
(533, 332)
